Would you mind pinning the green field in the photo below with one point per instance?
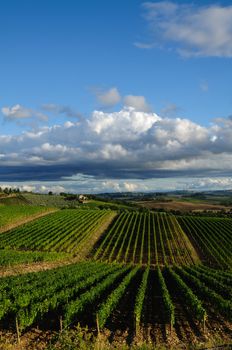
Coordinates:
(119, 296)
(212, 237)
(62, 231)
(145, 238)
(10, 214)
(12, 257)
(146, 275)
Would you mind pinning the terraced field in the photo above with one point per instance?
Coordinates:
(145, 238)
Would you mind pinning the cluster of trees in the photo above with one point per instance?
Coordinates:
(9, 190)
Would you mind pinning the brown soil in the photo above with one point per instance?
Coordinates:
(182, 206)
(35, 267)
(26, 220)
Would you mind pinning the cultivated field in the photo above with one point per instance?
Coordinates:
(145, 238)
(212, 238)
(14, 257)
(164, 305)
(183, 206)
(140, 277)
(62, 231)
(15, 214)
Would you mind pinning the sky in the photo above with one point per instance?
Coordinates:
(101, 96)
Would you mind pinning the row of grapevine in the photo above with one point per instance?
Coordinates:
(140, 300)
(91, 292)
(190, 299)
(62, 231)
(222, 305)
(213, 237)
(145, 238)
(12, 257)
(166, 299)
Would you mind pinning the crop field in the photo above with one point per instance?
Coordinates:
(212, 237)
(148, 276)
(62, 231)
(12, 257)
(180, 301)
(145, 238)
(12, 214)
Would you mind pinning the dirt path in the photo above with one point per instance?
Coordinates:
(23, 221)
(35, 267)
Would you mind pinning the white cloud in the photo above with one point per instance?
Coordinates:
(127, 123)
(130, 187)
(18, 112)
(204, 30)
(108, 98)
(127, 144)
(224, 183)
(137, 102)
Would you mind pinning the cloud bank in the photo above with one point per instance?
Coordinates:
(126, 144)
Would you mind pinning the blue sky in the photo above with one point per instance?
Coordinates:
(131, 62)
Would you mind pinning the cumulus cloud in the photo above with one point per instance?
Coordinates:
(189, 29)
(126, 144)
(19, 113)
(108, 98)
(137, 102)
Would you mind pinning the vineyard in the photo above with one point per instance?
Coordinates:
(12, 257)
(12, 214)
(145, 238)
(212, 238)
(62, 231)
(143, 276)
(165, 301)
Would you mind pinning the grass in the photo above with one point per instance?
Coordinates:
(12, 257)
(10, 214)
(103, 204)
